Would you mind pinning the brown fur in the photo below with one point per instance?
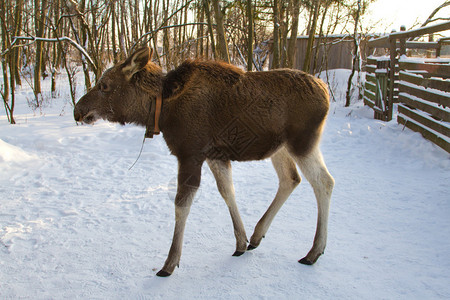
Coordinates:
(215, 110)
(212, 111)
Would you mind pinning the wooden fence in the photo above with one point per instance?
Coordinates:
(376, 88)
(419, 86)
(424, 99)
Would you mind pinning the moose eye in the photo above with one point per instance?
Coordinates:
(104, 87)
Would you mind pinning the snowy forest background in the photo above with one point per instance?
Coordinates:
(45, 38)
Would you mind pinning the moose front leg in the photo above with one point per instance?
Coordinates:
(222, 174)
(189, 174)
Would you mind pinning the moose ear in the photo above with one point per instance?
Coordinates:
(136, 61)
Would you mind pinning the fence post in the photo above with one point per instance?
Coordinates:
(402, 42)
(393, 55)
(381, 75)
(438, 49)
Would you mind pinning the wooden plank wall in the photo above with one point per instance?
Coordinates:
(376, 88)
(371, 88)
(339, 51)
(399, 44)
(424, 96)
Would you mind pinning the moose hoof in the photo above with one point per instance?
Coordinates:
(163, 273)
(251, 247)
(305, 261)
(238, 253)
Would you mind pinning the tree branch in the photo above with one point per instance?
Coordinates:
(165, 27)
(33, 39)
(164, 22)
(430, 18)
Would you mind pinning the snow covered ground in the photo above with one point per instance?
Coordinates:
(75, 222)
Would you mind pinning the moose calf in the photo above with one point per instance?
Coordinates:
(215, 112)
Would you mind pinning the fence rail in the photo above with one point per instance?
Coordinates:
(424, 99)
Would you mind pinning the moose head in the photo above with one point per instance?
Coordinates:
(124, 92)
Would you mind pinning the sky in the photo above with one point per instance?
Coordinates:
(394, 13)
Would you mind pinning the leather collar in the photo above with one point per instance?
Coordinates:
(155, 109)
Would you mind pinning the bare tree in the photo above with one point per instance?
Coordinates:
(40, 9)
(356, 54)
(276, 36)
(294, 31)
(250, 35)
(221, 37)
(312, 32)
(435, 11)
(18, 12)
(9, 105)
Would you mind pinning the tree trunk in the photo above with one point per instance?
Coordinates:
(5, 92)
(5, 46)
(40, 8)
(292, 44)
(210, 28)
(276, 37)
(222, 40)
(312, 32)
(12, 89)
(16, 52)
(56, 49)
(7, 59)
(166, 39)
(113, 32)
(283, 34)
(319, 41)
(136, 21)
(250, 35)
(155, 34)
(200, 32)
(175, 40)
(84, 43)
(122, 32)
(355, 56)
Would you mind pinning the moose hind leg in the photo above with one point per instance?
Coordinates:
(313, 168)
(288, 179)
(223, 176)
(188, 182)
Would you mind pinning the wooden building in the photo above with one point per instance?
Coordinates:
(330, 52)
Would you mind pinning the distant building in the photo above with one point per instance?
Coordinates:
(333, 52)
